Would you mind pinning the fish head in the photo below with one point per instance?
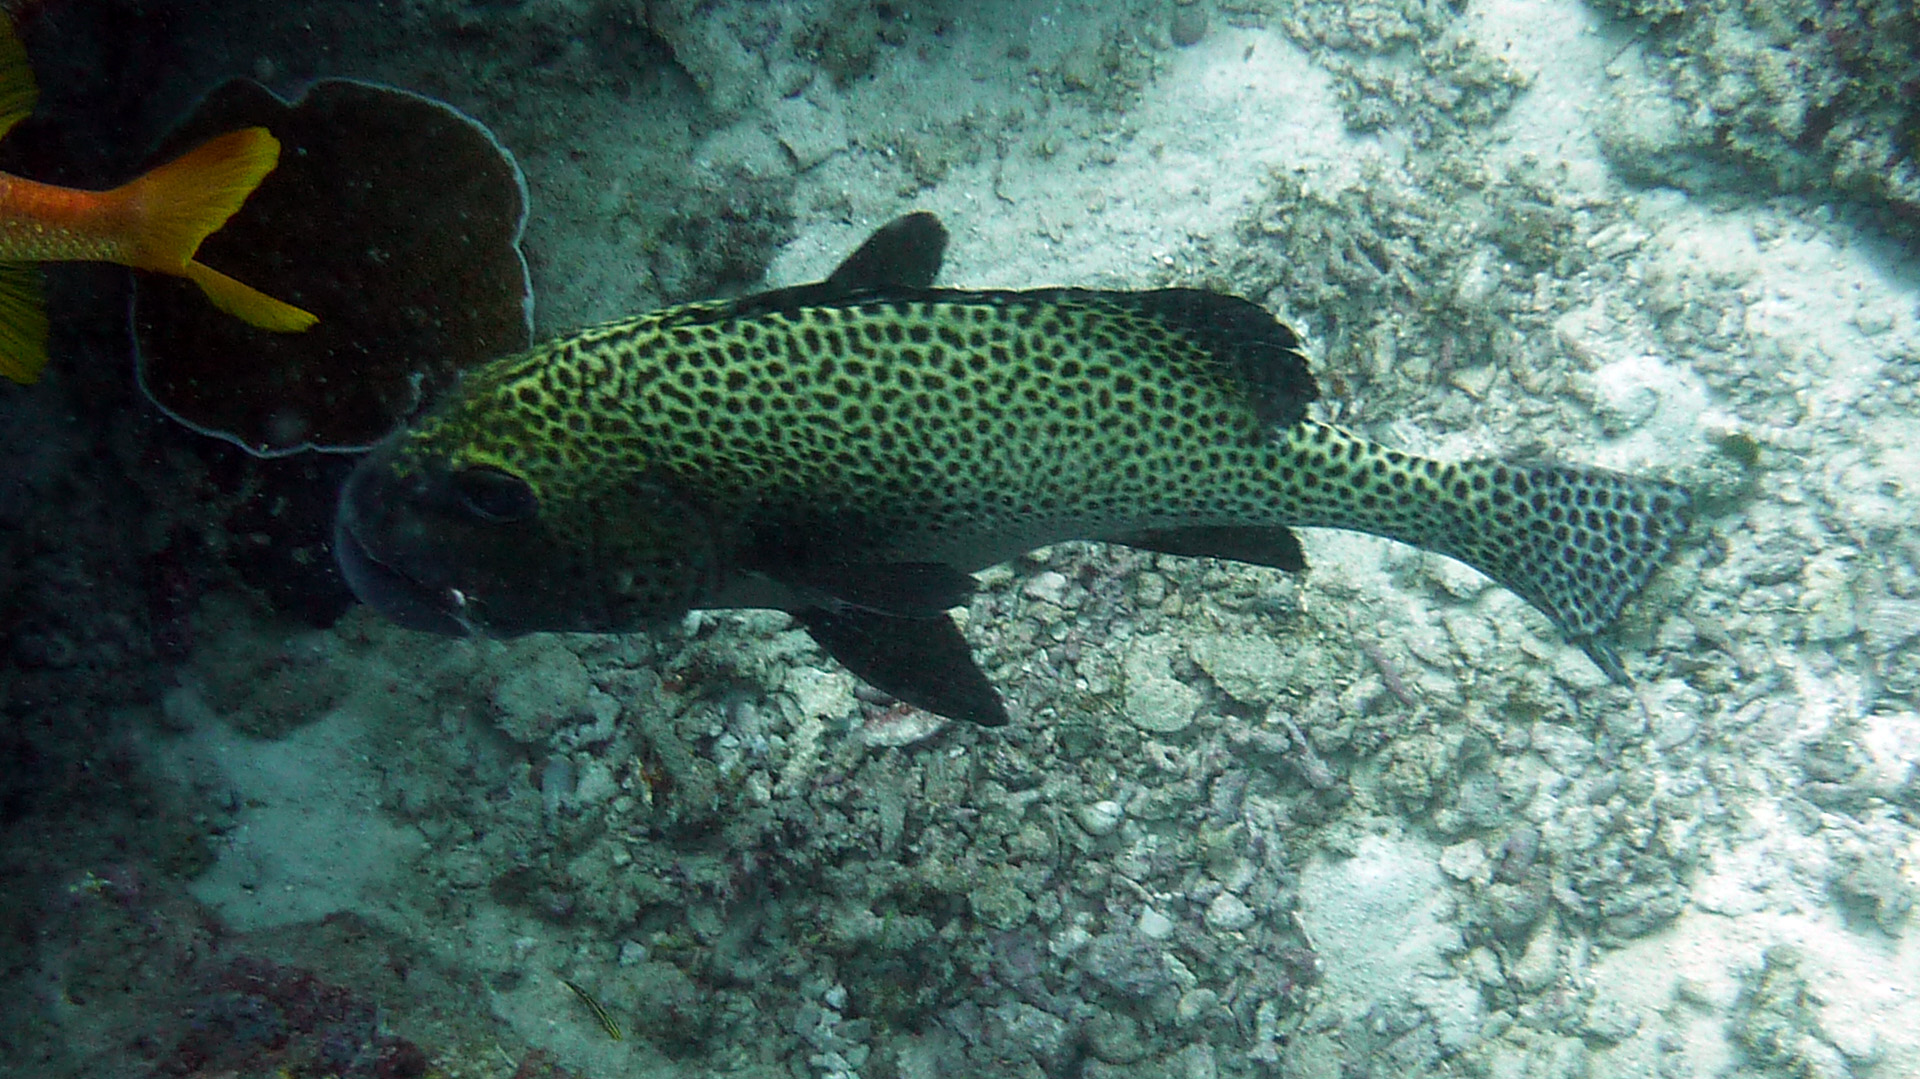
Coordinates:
(479, 521)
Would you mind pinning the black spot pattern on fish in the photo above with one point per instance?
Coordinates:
(941, 420)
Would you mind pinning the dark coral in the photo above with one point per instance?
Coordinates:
(260, 1018)
(394, 218)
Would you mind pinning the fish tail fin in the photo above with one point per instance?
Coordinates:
(17, 90)
(247, 303)
(1577, 543)
(181, 203)
(178, 205)
(23, 324)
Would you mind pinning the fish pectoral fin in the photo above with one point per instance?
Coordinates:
(923, 661)
(899, 589)
(1274, 546)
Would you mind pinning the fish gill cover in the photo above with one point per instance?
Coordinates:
(396, 218)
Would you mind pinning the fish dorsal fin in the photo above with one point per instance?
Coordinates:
(900, 256)
(1263, 352)
(17, 92)
(905, 252)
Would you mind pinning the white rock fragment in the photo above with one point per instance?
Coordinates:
(1474, 381)
(557, 780)
(1467, 861)
(744, 149)
(1154, 925)
(1195, 1004)
(1048, 586)
(1250, 668)
(1155, 700)
(1539, 965)
(544, 687)
(900, 727)
(595, 785)
(706, 47)
(818, 693)
(1228, 913)
(1100, 818)
(1874, 319)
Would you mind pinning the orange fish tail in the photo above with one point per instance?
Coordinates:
(248, 303)
(174, 208)
(178, 205)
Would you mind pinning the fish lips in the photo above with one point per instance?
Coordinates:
(374, 559)
(417, 549)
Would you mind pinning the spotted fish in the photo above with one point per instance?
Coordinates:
(851, 450)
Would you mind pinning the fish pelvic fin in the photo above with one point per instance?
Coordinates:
(175, 207)
(23, 324)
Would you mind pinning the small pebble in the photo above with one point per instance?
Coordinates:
(1195, 1004)
(1467, 861)
(1048, 585)
(1100, 818)
(1228, 913)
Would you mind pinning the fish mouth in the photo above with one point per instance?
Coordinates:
(401, 598)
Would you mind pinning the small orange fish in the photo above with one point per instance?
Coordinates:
(155, 222)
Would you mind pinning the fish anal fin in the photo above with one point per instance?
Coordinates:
(1274, 546)
(925, 662)
(23, 324)
(898, 589)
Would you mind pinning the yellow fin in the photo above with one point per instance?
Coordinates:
(23, 324)
(182, 202)
(247, 303)
(17, 92)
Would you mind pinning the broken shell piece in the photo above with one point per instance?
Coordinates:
(393, 217)
(899, 725)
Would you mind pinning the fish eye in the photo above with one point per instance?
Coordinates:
(493, 495)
